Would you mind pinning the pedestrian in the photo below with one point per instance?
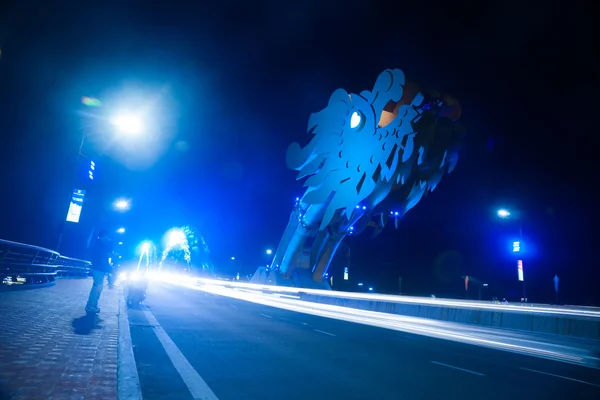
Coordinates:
(100, 258)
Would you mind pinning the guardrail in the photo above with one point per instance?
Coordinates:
(574, 321)
(27, 265)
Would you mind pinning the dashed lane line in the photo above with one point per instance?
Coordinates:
(324, 333)
(457, 368)
(562, 377)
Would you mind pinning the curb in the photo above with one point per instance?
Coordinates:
(128, 381)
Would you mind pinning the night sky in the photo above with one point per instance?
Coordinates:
(229, 85)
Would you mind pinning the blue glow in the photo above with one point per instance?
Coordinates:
(364, 207)
(357, 206)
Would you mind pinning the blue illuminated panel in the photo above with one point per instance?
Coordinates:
(76, 205)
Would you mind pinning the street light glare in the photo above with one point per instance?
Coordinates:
(121, 230)
(503, 213)
(122, 205)
(128, 124)
(269, 251)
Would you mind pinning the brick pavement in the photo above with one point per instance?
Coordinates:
(49, 349)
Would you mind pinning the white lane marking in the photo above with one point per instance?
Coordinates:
(198, 388)
(233, 305)
(560, 376)
(457, 368)
(128, 379)
(323, 332)
(265, 315)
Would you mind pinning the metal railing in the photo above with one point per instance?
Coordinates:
(23, 264)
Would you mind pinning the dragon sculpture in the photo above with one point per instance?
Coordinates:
(373, 156)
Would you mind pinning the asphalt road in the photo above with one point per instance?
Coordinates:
(248, 351)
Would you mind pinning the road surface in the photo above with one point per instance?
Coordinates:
(189, 341)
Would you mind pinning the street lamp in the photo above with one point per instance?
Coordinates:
(233, 258)
(128, 124)
(506, 214)
(122, 205)
(269, 252)
(121, 230)
(502, 213)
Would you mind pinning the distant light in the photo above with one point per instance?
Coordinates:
(269, 251)
(120, 243)
(121, 230)
(503, 213)
(233, 258)
(297, 198)
(485, 284)
(364, 207)
(351, 228)
(355, 119)
(145, 248)
(396, 213)
(345, 273)
(357, 206)
(360, 284)
(370, 289)
(128, 124)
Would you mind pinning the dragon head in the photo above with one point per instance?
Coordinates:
(364, 145)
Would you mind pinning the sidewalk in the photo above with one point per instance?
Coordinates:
(49, 349)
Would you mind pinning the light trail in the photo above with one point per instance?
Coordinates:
(561, 350)
(588, 312)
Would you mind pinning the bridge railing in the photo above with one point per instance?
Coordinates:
(23, 264)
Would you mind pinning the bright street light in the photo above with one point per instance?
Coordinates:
(128, 124)
(233, 258)
(269, 251)
(502, 213)
(120, 243)
(122, 205)
(121, 230)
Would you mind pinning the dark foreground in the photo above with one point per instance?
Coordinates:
(188, 341)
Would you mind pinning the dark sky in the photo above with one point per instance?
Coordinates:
(231, 84)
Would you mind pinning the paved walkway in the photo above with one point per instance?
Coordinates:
(50, 349)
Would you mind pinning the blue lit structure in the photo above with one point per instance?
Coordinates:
(373, 156)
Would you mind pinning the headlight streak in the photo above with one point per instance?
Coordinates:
(486, 337)
(581, 312)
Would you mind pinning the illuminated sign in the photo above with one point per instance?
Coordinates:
(91, 170)
(520, 269)
(345, 273)
(516, 247)
(75, 207)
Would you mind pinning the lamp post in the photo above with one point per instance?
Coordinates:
(506, 214)
(123, 124)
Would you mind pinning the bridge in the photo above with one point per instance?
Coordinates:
(215, 339)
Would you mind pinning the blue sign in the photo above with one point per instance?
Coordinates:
(75, 207)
